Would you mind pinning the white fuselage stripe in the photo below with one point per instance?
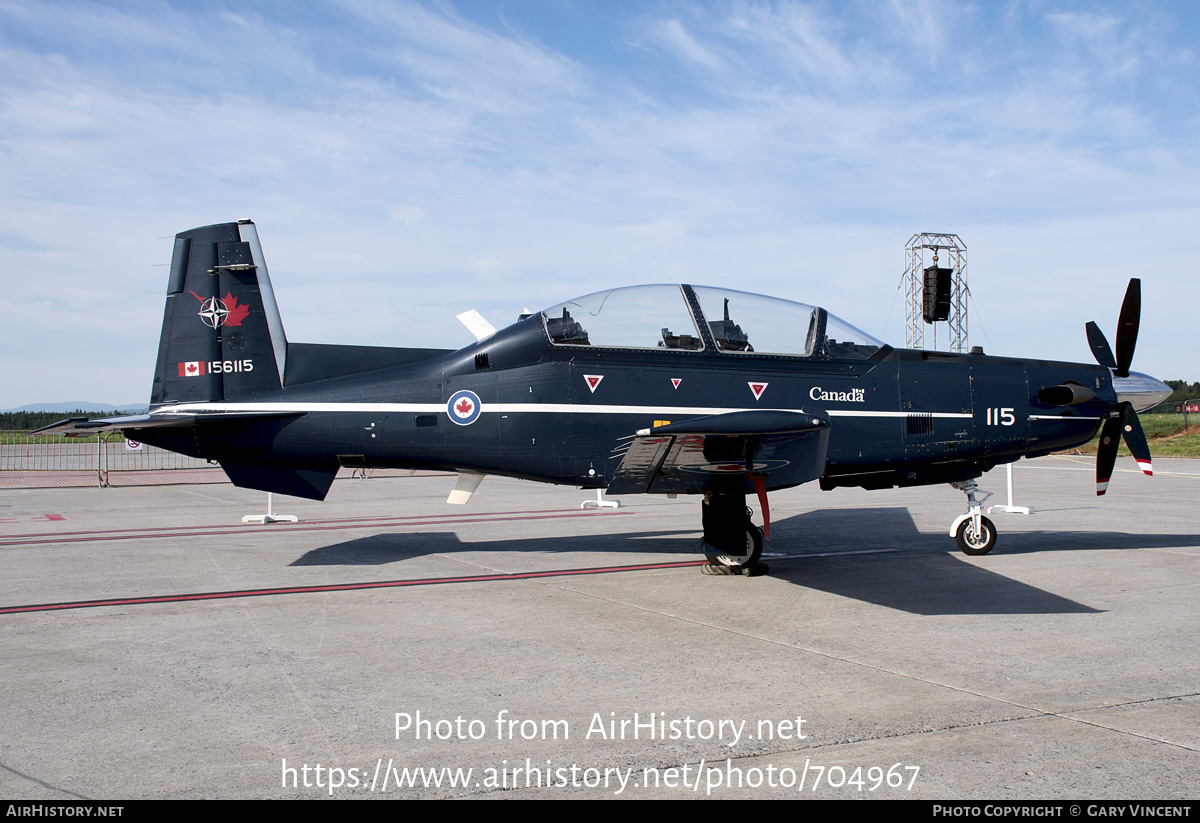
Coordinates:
(506, 408)
(1062, 417)
(536, 408)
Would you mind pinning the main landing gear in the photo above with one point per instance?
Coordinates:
(731, 542)
(974, 533)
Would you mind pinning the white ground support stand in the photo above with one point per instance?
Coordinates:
(1010, 508)
(270, 516)
(600, 502)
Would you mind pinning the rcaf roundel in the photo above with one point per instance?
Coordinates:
(463, 407)
(593, 380)
(758, 389)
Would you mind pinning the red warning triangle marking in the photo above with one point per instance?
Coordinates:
(675, 381)
(593, 380)
(758, 389)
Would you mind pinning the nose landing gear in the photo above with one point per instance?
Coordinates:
(974, 533)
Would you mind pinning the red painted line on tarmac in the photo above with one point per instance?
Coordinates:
(338, 587)
(386, 584)
(397, 518)
(223, 530)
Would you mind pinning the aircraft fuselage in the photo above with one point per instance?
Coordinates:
(655, 389)
(528, 409)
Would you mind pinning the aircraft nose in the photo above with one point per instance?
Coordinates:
(1140, 390)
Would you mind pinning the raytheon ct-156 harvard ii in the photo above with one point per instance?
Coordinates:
(668, 389)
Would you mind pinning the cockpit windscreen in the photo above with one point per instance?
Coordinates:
(844, 341)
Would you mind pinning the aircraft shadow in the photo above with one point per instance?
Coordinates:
(816, 531)
(926, 578)
(387, 548)
(1048, 541)
(921, 577)
(927, 584)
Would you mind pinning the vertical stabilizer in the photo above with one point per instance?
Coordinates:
(222, 337)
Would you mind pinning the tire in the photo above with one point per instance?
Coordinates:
(754, 546)
(973, 544)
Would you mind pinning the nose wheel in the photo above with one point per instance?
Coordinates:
(974, 533)
(975, 540)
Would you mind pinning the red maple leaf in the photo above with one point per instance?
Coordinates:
(463, 407)
(191, 367)
(236, 313)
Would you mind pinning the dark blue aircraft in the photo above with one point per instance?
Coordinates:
(667, 389)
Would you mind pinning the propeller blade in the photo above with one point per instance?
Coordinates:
(1106, 455)
(1099, 346)
(1135, 438)
(1122, 421)
(1127, 326)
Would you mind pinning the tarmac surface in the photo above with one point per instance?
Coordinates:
(153, 646)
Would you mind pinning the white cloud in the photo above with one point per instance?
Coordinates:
(672, 35)
(404, 162)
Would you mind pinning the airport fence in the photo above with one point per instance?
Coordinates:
(58, 460)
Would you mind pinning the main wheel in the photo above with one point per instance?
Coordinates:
(976, 544)
(754, 545)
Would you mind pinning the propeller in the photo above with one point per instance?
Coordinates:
(1122, 420)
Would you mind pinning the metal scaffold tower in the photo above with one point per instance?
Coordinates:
(947, 251)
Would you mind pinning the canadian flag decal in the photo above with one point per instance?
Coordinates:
(758, 389)
(675, 381)
(593, 380)
(192, 368)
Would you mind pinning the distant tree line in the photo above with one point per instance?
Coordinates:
(1183, 390)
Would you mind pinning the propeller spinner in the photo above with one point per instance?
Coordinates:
(1135, 391)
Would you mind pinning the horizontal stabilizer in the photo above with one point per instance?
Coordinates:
(153, 421)
(82, 425)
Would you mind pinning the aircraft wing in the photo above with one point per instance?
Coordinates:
(782, 448)
(82, 425)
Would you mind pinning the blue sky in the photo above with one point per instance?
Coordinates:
(407, 161)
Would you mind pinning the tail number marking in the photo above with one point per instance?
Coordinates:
(199, 368)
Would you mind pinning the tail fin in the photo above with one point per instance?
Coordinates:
(221, 337)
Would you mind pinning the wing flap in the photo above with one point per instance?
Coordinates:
(778, 448)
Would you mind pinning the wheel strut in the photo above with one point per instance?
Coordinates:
(974, 533)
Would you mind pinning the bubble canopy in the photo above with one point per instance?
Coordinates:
(669, 317)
